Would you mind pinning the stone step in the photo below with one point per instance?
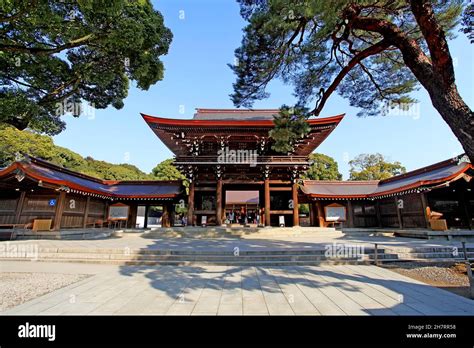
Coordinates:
(188, 257)
(196, 263)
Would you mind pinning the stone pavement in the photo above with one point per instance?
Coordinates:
(310, 241)
(234, 290)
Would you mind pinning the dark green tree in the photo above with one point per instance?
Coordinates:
(322, 168)
(467, 21)
(290, 125)
(165, 170)
(373, 167)
(56, 55)
(374, 53)
(14, 141)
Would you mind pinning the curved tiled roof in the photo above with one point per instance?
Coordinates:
(52, 174)
(438, 173)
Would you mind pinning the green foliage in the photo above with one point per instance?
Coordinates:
(322, 168)
(468, 21)
(13, 141)
(290, 125)
(303, 209)
(167, 171)
(307, 43)
(56, 54)
(373, 167)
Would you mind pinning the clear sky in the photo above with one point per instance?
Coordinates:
(206, 33)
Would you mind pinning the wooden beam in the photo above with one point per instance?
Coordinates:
(281, 188)
(245, 182)
(204, 189)
(296, 217)
(219, 202)
(19, 207)
(282, 212)
(59, 211)
(191, 204)
(267, 202)
(205, 212)
(86, 212)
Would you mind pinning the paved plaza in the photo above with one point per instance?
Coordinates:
(234, 289)
(299, 241)
(229, 290)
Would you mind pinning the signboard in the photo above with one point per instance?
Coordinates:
(118, 212)
(335, 212)
(52, 202)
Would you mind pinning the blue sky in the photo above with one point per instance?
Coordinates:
(206, 33)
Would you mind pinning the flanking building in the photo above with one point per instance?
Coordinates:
(235, 177)
(33, 190)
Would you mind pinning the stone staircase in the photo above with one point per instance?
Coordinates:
(282, 257)
(234, 232)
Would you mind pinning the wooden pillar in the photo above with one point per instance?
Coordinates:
(296, 217)
(312, 213)
(424, 206)
(219, 202)
(86, 212)
(170, 213)
(464, 203)
(165, 217)
(147, 210)
(106, 210)
(59, 210)
(191, 204)
(19, 207)
(320, 210)
(399, 213)
(267, 202)
(377, 211)
(350, 214)
(132, 216)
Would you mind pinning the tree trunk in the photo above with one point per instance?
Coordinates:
(457, 114)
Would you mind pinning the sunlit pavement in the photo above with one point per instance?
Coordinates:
(236, 290)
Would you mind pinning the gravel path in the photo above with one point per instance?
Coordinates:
(449, 277)
(17, 288)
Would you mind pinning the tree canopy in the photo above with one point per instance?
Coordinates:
(13, 142)
(54, 55)
(373, 53)
(322, 168)
(165, 170)
(290, 126)
(373, 167)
